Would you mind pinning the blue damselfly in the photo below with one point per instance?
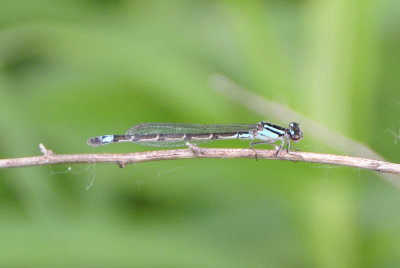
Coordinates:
(178, 134)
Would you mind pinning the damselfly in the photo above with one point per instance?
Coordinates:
(176, 134)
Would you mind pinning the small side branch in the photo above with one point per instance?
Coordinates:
(122, 160)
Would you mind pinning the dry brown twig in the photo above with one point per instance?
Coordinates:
(50, 158)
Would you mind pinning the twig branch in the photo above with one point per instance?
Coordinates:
(50, 158)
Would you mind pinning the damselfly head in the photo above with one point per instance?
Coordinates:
(294, 132)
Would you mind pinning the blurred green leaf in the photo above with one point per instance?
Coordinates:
(70, 70)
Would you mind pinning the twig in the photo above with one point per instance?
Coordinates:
(124, 159)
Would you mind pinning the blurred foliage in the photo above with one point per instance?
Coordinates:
(70, 70)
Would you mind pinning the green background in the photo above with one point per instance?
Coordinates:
(70, 70)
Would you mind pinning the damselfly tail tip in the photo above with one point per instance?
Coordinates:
(94, 141)
(100, 140)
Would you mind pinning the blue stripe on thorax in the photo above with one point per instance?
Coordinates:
(267, 135)
(278, 131)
